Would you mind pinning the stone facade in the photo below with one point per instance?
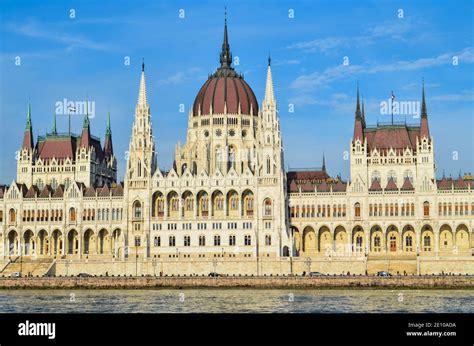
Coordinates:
(228, 200)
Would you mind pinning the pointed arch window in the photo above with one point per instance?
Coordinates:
(268, 165)
(137, 209)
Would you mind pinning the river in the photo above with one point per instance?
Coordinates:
(237, 300)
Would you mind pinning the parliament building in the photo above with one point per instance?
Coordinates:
(227, 205)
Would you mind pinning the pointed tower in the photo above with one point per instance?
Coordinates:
(358, 125)
(26, 156)
(424, 129)
(108, 148)
(86, 131)
(425, 164)
(141, 164)
(358, 152)
(226, 55)
(324, 164)
(28, 135)
(141, 161)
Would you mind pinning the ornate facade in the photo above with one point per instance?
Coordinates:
(227, 195)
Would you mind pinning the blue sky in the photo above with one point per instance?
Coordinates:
(75, 58)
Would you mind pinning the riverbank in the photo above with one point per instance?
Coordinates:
(265, 282)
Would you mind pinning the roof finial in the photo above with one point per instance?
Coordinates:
(269, 59)
(324, 163)
(225, 56)
(424, 113)
(143, 64)
(108, 130)
(358, 113)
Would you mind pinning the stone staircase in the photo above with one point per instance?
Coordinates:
(25, 266)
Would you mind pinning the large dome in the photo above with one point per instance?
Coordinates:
(225, 88)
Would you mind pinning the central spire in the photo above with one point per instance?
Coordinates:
(269, 95)
(226, 55)
(142, 100)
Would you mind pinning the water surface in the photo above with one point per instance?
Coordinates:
(237, 300)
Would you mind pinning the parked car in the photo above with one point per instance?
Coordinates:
(83, 275)
(315, 274)
(15, 275)
(384, 273)
(214, 274)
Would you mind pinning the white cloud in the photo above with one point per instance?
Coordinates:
(35, 30)
(465, 95)
(190, 74)
(316, 79)
(395, 30)
(286, 62)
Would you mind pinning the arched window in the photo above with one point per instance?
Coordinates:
(426, 209)
(268, 207)
(137, 209)
(187, 240)
(12, 215)
(172, 240)
(268, 240)
(202, 240)
(427, 243)
(72, 215)
(54, 183)
(268, 165)
(357, 209)
(248, 240)
(217, 240)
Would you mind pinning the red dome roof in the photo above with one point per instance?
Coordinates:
(225, 87)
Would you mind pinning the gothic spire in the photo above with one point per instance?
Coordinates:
(142, 100)
(324, 164)
(423, 101)
(359, 122)
(424, 128)
(269, 95)
(108, 130)
(358, 113)
(226, 55)
(28, 135)
(28, 118)
(108, 149)
(86, 131)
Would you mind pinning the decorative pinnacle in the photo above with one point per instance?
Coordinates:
(424, 113)
(358, 113)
